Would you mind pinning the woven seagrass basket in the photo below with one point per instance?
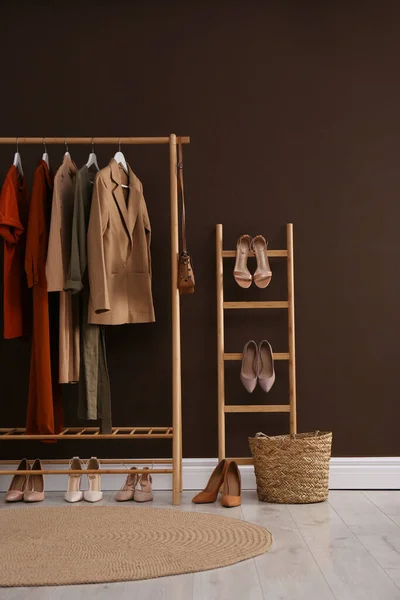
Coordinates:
(292, 469)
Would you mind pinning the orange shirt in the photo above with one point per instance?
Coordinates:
(14, 205)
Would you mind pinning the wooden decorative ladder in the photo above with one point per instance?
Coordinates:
(223, 356)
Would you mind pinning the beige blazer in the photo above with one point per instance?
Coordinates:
(57, 264)
(119, 262)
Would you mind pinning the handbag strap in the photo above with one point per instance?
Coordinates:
(182, 189)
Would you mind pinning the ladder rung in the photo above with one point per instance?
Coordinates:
(267, 304)
(257, 408)
(270, 253)
(238, 355)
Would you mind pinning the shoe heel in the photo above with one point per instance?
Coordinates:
(214, 485)
(241, 272)
(144, 488)
(232, 495)
(74, 493)
(94, 493)
(18, 484)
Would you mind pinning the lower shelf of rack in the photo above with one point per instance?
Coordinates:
(84, 472)
(88, 433)
(103, 461)
(257, 408)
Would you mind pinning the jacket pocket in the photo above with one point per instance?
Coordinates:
(140, 295)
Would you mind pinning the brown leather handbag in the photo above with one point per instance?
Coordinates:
(186, 281)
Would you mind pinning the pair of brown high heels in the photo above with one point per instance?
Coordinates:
(29, 488)
(225, 477)
(258, 247)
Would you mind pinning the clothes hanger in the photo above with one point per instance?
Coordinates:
(66, 148)
(17, 162)
(92, 160)
(120, 159)
(45, 156)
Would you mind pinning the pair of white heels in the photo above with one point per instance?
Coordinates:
(74, 492)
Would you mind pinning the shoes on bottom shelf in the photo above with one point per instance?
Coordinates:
(94, 493)
(127, 491)
(29, 488)
(137, 487)
(144, 487)
(225, 479)
(74, 492)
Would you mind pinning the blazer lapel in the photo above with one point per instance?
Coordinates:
(135, 193)
(119, 196)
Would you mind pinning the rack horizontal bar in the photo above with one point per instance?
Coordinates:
(83, 472)
(104, 461)
(185, 139)
(270, 254)
(239, 355)
(257, 304)
(88, 433)
(257, 408)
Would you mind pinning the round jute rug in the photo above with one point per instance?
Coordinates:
(61, 546)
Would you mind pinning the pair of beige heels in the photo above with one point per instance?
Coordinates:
(29, 488)
(225, 479)
(257, 365)
(258, 247)
(137, 487)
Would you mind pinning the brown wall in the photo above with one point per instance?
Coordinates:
(294, 113)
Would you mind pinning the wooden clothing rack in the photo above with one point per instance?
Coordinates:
(131, 433)
(223, 356)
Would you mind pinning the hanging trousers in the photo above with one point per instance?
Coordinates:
(94, 382)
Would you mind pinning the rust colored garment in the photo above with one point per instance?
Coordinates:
(14, 206)
(45, 413)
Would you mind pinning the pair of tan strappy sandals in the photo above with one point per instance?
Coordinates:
(252, 246)
(137, 487)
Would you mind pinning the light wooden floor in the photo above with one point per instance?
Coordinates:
(347, 548)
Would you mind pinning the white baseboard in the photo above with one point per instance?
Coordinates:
(345, 474)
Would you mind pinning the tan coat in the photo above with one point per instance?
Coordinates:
(119, 262)
(57, 264)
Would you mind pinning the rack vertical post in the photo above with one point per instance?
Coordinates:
(176, 335)
(221, 344)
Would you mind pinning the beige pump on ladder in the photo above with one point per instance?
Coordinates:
(223, 356)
